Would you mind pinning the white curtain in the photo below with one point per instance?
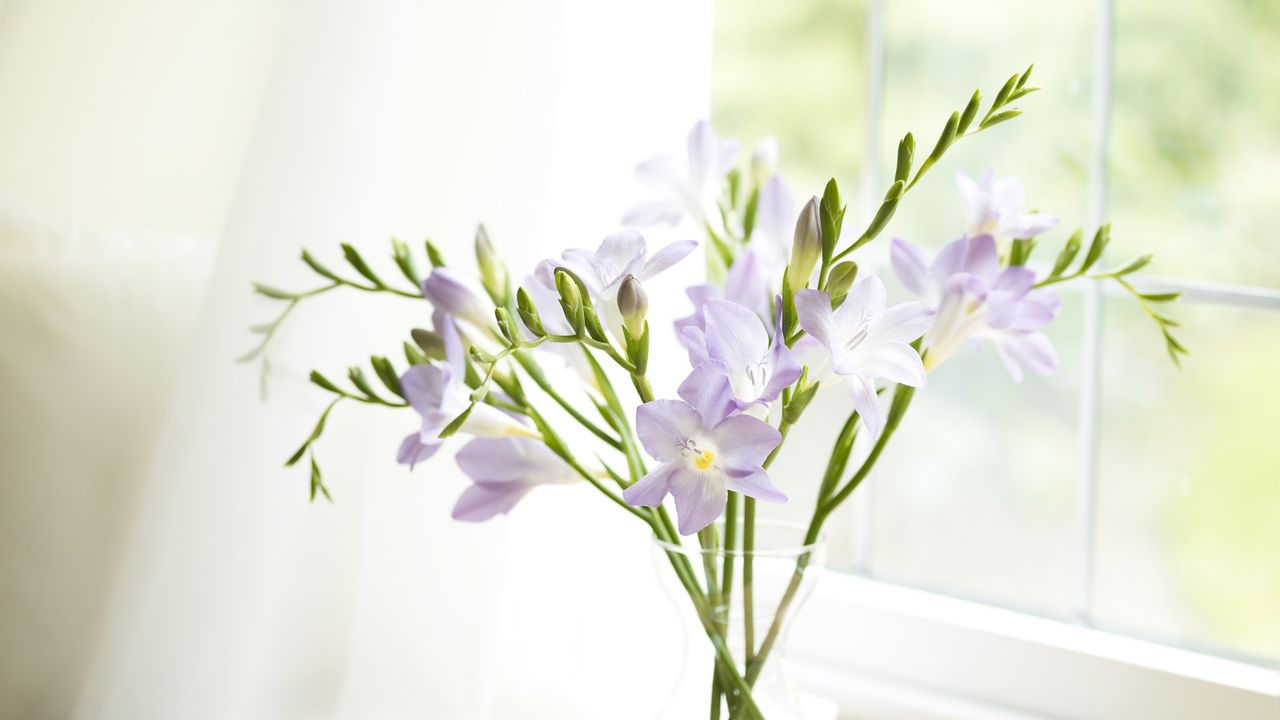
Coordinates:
(239, 599)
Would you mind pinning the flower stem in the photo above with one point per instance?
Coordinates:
(901, 399)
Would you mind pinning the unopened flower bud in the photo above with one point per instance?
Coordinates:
(570, 300)
(806, 248)
(529, 313)
(633, 304)
(431, 343)
(493, 272)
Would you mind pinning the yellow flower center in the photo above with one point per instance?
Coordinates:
(704, 459)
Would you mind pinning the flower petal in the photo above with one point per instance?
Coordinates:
(904, 322)
(446, 291)
(744, 442)
(652, 488)
(867, 403)
(813, 310)
(620, 254)
(700, 498)
(1032, 350)
(866, 299)
(665, 258)
(424, 386)
(709, 391)
(910, 265)
(755, 484)
(735, 335)
(481, 502)
(413, 451)
(664, 426)
(895, 362)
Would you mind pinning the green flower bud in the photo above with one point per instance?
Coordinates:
(529, 313)
(493, 272)
(570, 300)
(633, 304)
(806, 248)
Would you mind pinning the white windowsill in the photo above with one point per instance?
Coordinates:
(885, 651)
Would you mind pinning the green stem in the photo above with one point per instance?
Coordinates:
(540, 380)
(748, 572)
(901, 399)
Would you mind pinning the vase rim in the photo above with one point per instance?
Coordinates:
(786, 550)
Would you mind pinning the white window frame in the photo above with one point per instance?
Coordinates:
(882, 650)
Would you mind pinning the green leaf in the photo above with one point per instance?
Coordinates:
(404, 261)
(413, 355)
(1002, 97)
(354, 260)
(456, 424)
(1020, 251)
(317, 482)
(273, 293)
(1069, 252)
(318, 268)
(1026, 75)
(357, 378)
(433, 254)
(315, 434)
(1100, 240)
(431, 343)
(970, 112)
(1000, 117)
(1160, 297)
(325, 383)
(387, 374)
(1132, 266)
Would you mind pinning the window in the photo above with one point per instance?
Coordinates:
(1121, 494)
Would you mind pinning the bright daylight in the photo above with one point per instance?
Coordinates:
(669, 360)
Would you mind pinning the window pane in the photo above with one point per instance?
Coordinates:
(795, 71)
(1189, 494)
(976, 494)
(1195, 142)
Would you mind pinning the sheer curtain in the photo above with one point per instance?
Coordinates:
(239, 599)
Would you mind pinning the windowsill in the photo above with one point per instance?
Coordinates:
(885, 651)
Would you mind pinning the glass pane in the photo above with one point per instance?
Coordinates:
(1189, 494)
(976, 495)
(795, 71)
(939, 52)
(1195, 139)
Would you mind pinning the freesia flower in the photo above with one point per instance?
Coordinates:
(867, 341)
(439, 393)
(504, 470)
(451, 295)
(774, 227)
(602, 271)
(701, 461)
(688, 189)
(977, 300)
(995, 206)
(738, 367)
(746, 284)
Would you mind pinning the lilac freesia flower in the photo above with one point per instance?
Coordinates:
(439, 393)
(995, 206)
(975, 300)
(737, 366)
(602, 271)
(746, 284)
(701, 461)
(504, 470)
(690, 188)
(867, 341)
(774, 227)
(451, 295)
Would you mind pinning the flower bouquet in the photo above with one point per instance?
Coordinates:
(785, 313)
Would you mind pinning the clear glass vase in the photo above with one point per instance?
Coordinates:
(769, 583)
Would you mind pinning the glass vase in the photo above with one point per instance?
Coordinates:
(718, 580)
